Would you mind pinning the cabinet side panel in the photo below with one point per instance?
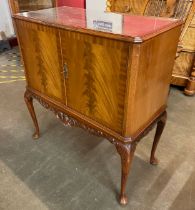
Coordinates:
(40, 46)
(96, 81)
(149, 95)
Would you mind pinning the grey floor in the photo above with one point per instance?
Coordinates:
(69, 169)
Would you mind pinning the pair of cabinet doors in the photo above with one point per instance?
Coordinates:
(85, 73)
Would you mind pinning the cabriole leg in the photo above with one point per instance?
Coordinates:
(29, 102)
(160, 127)
(126, 152)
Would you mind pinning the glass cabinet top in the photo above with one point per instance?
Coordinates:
(123, 26)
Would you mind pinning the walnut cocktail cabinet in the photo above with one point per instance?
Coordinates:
(104, 72)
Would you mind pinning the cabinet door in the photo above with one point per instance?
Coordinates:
(40, 46)
(96, 76)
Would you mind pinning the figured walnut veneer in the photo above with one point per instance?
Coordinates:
(105, 83)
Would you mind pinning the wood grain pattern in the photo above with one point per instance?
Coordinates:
(138, 6)
(43, 63)
(193, 21)
(27, 5)
(150, 79)
(17, 6)
(96, 76)
(14, 6)
(127, 6)
(188, 41)
(183, 64)
(118, 6)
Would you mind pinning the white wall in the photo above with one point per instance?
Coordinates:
(5, 18)
(96, 4)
